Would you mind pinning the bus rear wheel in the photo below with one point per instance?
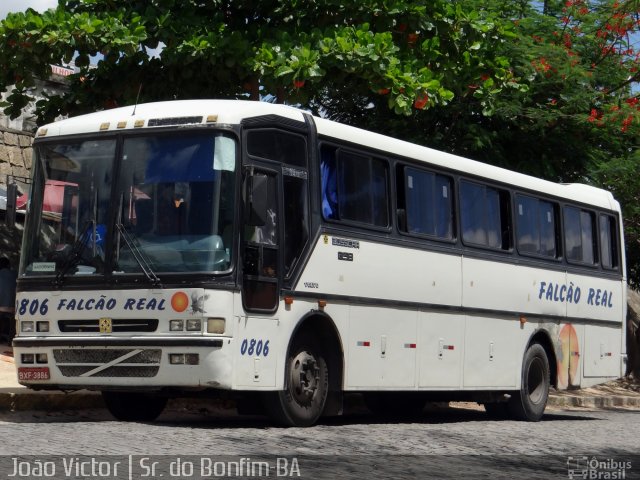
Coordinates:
(529, 403)
(302, 401)
(134, 406)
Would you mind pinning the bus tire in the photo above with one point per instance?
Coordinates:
(134, 406)
(529, 403)
(302, 401)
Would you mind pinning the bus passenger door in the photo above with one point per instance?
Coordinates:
(260, 243)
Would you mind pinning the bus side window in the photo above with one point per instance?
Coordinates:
(579, 234)
(536, 226)
(428, 206)
(354, 187)
(329, 183)
(484, 216)
(608, 242)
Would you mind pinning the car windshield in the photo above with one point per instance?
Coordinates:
(171, 209)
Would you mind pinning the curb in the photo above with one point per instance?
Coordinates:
(16, 401)
(23, 399)
(614, 401)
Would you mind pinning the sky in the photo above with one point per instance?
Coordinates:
(7, 6)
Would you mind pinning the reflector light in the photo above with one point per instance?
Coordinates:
(194, 325)
(364, 344)
(26, 326)
(176, 358)
(191, 358)
(42, 326)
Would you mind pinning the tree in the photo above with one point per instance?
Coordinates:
(544, 88)
(406, 52)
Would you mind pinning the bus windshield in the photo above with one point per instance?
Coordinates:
(169, 209)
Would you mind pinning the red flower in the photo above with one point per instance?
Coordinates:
(298, 83)
(421, 101)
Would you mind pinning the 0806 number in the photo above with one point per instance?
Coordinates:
(257, 347)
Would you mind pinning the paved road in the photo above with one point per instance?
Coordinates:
(452, 443)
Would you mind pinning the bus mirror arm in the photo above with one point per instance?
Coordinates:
(256, 199)
(12, 197)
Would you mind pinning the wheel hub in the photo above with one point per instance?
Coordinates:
(305, 377)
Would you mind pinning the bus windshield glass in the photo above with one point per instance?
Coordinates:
(68, 208)
(170, 207)
(176, 203)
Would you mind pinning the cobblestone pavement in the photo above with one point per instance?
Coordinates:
(447, 443)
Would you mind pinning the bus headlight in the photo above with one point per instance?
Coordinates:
(26, 326)
(176, 325)
(194, 325)
(215, 325)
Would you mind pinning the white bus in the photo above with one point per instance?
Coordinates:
(204, 247)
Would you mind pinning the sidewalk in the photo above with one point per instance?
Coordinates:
(15, 397)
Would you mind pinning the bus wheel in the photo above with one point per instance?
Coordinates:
(529, 403)
(307, 383)
(134, 406)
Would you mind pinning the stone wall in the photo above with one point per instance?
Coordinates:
(15, 159)
(15, 154)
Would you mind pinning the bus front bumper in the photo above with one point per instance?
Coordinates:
(129, 363)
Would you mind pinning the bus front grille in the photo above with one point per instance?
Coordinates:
(115, 371)
(89, 362)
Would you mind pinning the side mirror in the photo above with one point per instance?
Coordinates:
(12, 197)
(257, 189)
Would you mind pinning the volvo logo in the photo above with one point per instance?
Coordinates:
(105, 325)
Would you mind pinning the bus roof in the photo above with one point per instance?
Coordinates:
(192, 112)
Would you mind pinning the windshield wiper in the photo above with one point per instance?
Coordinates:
(139, 256)
(75, 255)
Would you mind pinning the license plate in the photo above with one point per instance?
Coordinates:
(33, 373)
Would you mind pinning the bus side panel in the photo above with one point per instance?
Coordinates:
(493, 352)
(382, 348)
(372, 271)
(601, 353)
(601, 300)
(258, 346)
(596, 298)
(512, 288)
(495, 343)
(441, 350)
